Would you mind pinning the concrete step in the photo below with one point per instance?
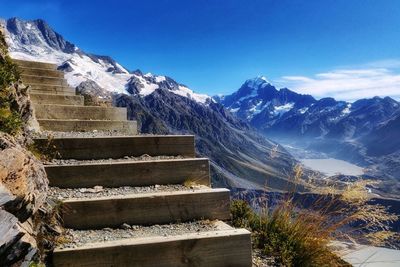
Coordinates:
(221, 247)
(118, 147)
(146, 208)
(67, 112)
(124, 127)
(41, 72)
(35, 64)
(75, 100)
(51, 89)
(32, 79)
(130, 173)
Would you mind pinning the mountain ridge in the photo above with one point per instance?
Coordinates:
(273, 111)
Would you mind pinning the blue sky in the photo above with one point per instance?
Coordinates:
(341, 48)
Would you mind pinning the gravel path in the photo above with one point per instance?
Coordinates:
(76, 238)
(99, 191)
(95, 133)
(144, 157)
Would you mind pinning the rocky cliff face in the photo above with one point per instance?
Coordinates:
(22, 193)
(23, 181)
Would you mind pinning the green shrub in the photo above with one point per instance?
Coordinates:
(10, 119)
(242, 214)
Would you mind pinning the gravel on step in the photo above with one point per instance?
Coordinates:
(144, 157)
(76, 238)
(94, 133)
(56, 193)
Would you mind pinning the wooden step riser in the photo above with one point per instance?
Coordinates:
(61, 91)
(51, 89)
(147, 209)
(75, 100)
(60, 112)
(119, 147)
(47, 87)
(34, 64)
(42, 72)
(120, 174)
(214, 249)
(39, 80)
(122, 127)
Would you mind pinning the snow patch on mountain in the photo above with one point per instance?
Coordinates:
(83, 68)
(303, 110)
(347, 110)
(184, 91)
(160, 79)
(280, 110)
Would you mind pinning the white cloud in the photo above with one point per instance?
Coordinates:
(380, 78)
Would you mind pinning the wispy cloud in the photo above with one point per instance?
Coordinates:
(380, 78)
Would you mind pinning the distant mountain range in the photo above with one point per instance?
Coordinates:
(285, 113)
(365, 132)
(240, 158)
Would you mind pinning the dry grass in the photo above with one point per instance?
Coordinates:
(45, 151)
(50, 231)
(189, 182)
(298, 231)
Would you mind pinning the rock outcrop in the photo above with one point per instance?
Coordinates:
(22, 193)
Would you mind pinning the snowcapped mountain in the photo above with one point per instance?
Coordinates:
(239, 156)
(35, 40)
(284, 113)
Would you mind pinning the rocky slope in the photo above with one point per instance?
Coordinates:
(239, 156)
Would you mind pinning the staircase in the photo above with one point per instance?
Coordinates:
(168, 189)
(57, 107)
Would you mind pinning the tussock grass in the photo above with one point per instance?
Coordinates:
(45, 151)
(50, 232)
(295, 233)
(292, 240)
(190, 182)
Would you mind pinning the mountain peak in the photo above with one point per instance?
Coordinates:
(257, 82)
(262, 78)
(28, 34)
